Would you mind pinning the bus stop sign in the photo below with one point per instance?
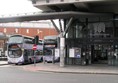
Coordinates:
(34, 47)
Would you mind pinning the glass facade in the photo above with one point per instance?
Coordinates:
(97, 38)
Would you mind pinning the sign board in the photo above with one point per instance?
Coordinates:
(71, 53)
(75, 52)
(34, 47)
(78, 52)
(56, 52)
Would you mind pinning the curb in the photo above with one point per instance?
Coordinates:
(69, 72)
(3, 64)
(79, 72)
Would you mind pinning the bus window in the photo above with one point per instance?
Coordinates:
(15, 39)
(39, 52)
(15, 53)
(47, 52)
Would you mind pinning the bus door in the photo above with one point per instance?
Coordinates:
(26, 55)
(100, 54)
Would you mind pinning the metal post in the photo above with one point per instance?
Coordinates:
(60, 25)
(68, 26)
(62, 53)
(34, 58)
(62, 43)
(114, 26)
(53, 61)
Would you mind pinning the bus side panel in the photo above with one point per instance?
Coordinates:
(16, 60)
(27, 46)
(29, 56)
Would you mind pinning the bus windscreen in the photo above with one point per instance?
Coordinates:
(15, 39)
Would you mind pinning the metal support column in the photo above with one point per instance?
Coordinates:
(62, 44)
(114, 26)
(62, 40)
(60, 25)
(57, 29)
(68, 26)
(62, 51)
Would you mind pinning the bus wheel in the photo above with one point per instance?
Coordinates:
(16, 63)
(24, 63)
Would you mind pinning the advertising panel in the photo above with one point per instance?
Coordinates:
(75, 52)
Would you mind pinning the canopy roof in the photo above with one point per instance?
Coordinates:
(53, 15)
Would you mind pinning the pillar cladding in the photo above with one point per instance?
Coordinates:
(62, 53)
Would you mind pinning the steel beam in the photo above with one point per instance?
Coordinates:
(57, 29)
(68, 26)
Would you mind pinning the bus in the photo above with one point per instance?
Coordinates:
(50, 44)
(19, 50)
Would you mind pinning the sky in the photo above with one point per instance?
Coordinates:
(11, 7)
(16, 6)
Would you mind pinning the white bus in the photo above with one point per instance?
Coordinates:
(50, 44)
(19, 50)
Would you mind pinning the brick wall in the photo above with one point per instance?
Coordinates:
(41, 32)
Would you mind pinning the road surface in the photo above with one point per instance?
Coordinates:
(14, 74)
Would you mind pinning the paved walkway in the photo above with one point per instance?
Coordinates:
(3, 63)
(90, 69)
(76, 69)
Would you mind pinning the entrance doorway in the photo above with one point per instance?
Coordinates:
(99, 54)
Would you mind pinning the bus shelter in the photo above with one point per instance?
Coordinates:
(92, 37)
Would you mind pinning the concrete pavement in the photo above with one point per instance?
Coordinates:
(90, 69)
(3, 62)
(76, 69)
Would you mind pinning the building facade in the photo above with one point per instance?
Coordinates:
(98, 42)
(91, 37)
(41, 32)
(31, 28)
